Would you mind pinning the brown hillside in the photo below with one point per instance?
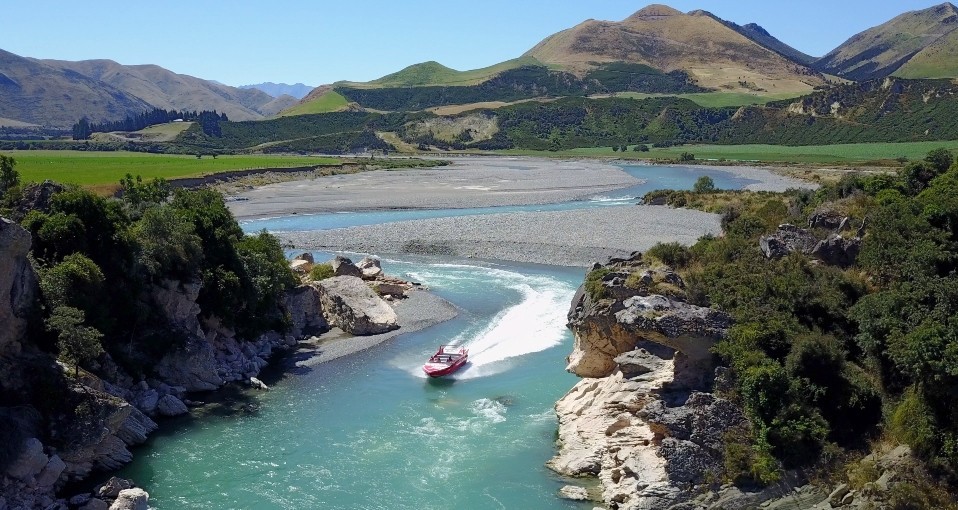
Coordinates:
(165, 89)
(35, 93)
(662, 37)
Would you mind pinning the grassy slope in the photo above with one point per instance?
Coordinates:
(828, 154)
(940, 60)
(106, 168)
(331, 101)
(434, 73)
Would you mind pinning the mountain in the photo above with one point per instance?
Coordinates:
(698, 43)
(165, 89)
(432, 73)
(57, 93)
(298, 90)
(34, 92)
(756, 33)
(920, 43)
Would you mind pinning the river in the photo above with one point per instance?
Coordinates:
(370, 431)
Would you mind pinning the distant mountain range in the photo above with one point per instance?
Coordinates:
(657, 50)
(297, 90)
(57, 93)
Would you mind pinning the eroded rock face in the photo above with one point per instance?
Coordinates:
(18, 285)
(305, 311)
(606, 328)
(352, 306)
(641, 420)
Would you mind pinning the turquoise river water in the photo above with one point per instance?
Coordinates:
(370, 431)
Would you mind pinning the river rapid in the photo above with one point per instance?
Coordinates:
(370, 431)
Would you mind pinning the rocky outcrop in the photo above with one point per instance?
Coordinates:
(370, 267)
(18, 285)
(836, 250)
(131, 499)
(36, 197)
(352, 306)
(642, 420)
(787, 239)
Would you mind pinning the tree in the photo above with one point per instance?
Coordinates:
(167, 244)
(77, 343)
(704, 184)
(940, 159)
(687, 156)
(9, 177)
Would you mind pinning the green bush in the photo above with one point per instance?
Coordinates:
(704, 184)
(321, 272)
(672, 254)
(593, 283)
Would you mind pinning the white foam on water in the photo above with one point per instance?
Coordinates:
(602, 198)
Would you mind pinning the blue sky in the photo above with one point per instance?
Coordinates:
(315, 42)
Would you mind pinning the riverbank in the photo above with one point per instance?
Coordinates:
(419, 310)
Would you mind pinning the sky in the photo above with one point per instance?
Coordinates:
(316, 42)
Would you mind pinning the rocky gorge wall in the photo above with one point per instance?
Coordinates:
(101, 413)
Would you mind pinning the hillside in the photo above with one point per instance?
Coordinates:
(165, 89)
(715, 55)
(276, 90)
(33, 92)
(435, 74)
(758, 34)
(881, 51)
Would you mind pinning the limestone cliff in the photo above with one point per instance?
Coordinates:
(18, 285)
(642, 420)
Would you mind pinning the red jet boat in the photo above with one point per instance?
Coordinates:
(447, 360)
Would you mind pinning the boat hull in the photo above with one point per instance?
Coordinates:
(441, 369)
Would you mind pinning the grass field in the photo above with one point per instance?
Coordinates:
(99, 169)
(331, 101)
(717, 99)
(857, 153)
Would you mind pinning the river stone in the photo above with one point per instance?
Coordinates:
(370, 267)
(343, 266)
(171, 406)
(131, 499)
(352, 306)
(111, 489)
(305, 256)
(51, 472)
(574, 493)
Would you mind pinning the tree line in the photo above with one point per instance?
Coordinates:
(208, 119)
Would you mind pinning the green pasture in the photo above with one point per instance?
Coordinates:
(106, 168)
(811, 154)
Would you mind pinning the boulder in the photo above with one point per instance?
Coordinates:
(574, 493)
(131, 499)
(343, 266)
(18, 285)
(136, 428)
(305, 256)
(300, 266)
(787, 239)
(827, 219)
(51, 472)
(352, 306)
(111, 489)
(305, 311)
(370, 268)
(171, 406)
(836, 250)
(30, 462)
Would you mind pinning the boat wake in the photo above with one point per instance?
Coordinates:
(534, 323)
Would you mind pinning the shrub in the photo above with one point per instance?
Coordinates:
(671, 254)
(321, 272)
(593, 283)
(704, 184)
